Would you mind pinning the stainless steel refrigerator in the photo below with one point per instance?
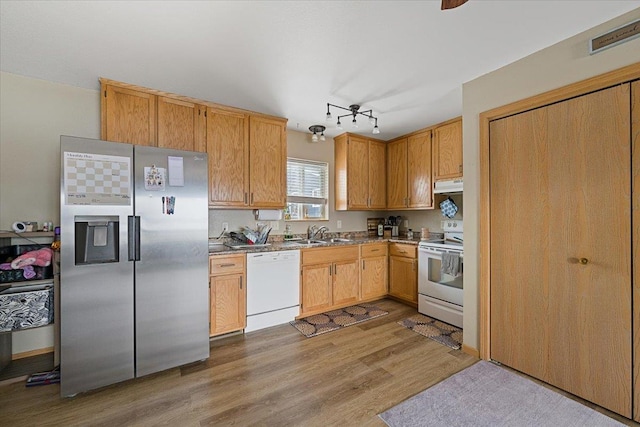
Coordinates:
(133, 263)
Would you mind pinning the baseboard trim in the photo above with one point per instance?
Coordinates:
(30, 353)
(470, 350)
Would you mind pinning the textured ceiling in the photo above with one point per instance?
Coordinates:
(406, 60)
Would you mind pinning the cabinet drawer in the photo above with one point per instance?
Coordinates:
(371, 250)
(226, 264)
(331, 254)
(399, 249)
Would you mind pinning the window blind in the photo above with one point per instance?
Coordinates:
(307, 181)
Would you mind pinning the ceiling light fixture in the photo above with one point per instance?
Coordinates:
(317, 129)
(354, 110)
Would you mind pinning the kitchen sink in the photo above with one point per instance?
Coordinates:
(304, 243)
(336, 240)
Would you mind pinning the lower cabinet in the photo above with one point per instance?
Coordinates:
(403, 272)
(228, 293)
(373, 271)
(330, 278)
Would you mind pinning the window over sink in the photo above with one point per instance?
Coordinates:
(307, 190)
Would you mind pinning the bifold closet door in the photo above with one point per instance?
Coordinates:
(635, 141)
(561, 245)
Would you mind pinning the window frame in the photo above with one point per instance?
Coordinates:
(308, 200)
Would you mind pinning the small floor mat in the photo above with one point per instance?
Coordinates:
(441, 332)
(336, 319)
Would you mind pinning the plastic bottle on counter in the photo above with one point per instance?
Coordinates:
(410, 234)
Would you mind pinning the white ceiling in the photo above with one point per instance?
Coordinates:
(406, 60)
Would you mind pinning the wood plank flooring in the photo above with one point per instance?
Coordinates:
(274, 376)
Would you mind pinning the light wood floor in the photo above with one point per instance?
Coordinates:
(274, 376)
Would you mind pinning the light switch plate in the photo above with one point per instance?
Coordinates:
(338, 224)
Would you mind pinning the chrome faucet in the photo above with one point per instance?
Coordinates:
(321, 231)
(312, 231)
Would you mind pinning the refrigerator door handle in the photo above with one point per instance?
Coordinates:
(134, 238)
(131, 241)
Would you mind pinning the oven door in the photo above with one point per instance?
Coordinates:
(432, 282)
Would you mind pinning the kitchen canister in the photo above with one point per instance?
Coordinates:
(424, 233)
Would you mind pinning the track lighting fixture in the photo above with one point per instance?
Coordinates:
(354, 110)
(317, 129)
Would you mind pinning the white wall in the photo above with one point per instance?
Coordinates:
(556, 66)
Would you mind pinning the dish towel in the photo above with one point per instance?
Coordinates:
(450, 264)
(448, 208)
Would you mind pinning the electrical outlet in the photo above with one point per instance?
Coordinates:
(275, 225)
(225, 227)
(406, 223)
(338, 224)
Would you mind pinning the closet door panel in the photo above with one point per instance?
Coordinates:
(635, 170)
(590, 247)
(519, 232)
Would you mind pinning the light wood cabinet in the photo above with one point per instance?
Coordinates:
(403, 272)
(128, 115)
(228, 293)
(409, 181)
(181, 124)
(330, 278)
(268, 162)
(145, 117)
(228, 152)
(374, 277)
(360, 173)
(247, 160)
(447, 151)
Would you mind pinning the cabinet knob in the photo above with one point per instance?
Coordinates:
(583, 261)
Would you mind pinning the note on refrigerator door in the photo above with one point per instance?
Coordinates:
(176, 171)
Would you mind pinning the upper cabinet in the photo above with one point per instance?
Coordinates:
(409, 182)
(360, 173)
(447, 150)
(247, 151)
(228, 150)
(128, 115)
(181, 124)
(268, 162)
(247, 159)
(141, 117)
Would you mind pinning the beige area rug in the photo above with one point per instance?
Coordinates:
(337, 319)
(486, 395)
(441, 332)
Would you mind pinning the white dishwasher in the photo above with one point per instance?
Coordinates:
(273, 288)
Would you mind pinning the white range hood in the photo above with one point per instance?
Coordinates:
(448, 187)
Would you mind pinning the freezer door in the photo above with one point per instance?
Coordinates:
(172, 273)
(96, 280)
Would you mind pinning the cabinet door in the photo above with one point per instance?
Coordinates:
(128, 116)
(419, 170)
(397, 174)
(403, 278)
(373, 277)
(268, 163)
(346, 282)
(447, 160)
(316, 288)
(377, 175)
(228, 304)
(181, 125)
(228, 150)
(358, 173)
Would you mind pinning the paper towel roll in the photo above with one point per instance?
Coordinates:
(268, 214)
